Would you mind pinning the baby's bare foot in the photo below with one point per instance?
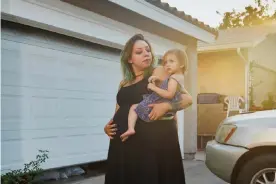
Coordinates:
(128, 133)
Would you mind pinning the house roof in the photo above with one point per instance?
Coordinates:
(243, 37)
(182, 15)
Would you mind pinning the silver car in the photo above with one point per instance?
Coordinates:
(244, 150)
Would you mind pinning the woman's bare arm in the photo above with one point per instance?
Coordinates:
(186, 101)
(186, 98)
(158, 110)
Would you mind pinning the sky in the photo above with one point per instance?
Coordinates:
(205, 10)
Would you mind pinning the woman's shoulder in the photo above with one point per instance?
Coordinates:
(125, 83)
(122, 83)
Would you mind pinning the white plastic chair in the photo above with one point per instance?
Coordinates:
(233, 103)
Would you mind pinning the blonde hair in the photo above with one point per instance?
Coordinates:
(181, 57)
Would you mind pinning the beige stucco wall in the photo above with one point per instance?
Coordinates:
(221, 72)
(265, 80)
(265, 52)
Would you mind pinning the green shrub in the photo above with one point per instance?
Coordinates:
(28, 173)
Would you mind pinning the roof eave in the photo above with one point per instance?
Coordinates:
(163, 17)
(223, 47)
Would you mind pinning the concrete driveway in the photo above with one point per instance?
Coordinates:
(195, 170)
(196, 173)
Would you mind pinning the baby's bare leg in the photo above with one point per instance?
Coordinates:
(132, 118)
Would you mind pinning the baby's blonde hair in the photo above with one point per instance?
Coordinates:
(181, 57)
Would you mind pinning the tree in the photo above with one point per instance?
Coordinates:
(256, 14)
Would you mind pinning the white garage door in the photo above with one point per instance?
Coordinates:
(57, 95)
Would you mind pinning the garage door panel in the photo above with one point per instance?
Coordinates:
(13, 107)
(88, 97)
(25, 102)
(61, 93)
(54, 132)
(84, 144)
(54, 162)
(102, 85)
(101, 109)
(11, 61)
(48, 46)
(98, 83)
(50, 124)
(51, 72)
(24, 64)
(24, 151)
(11, 78)
(57, 95)
(75, 107)
(58, 147)
(44, 107)
(74, 147)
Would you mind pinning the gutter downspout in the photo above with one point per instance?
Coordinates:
(247, 77)
(240, 54)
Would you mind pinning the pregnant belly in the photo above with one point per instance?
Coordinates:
(121, 119)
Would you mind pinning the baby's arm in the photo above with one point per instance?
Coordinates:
(168, 94)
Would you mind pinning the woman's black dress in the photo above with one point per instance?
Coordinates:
(152, 155)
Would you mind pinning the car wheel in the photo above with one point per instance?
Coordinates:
(260, 170)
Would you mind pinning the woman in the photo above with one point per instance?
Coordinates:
(152, 155)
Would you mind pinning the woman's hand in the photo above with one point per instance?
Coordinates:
(110, 129)
(159, 110)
